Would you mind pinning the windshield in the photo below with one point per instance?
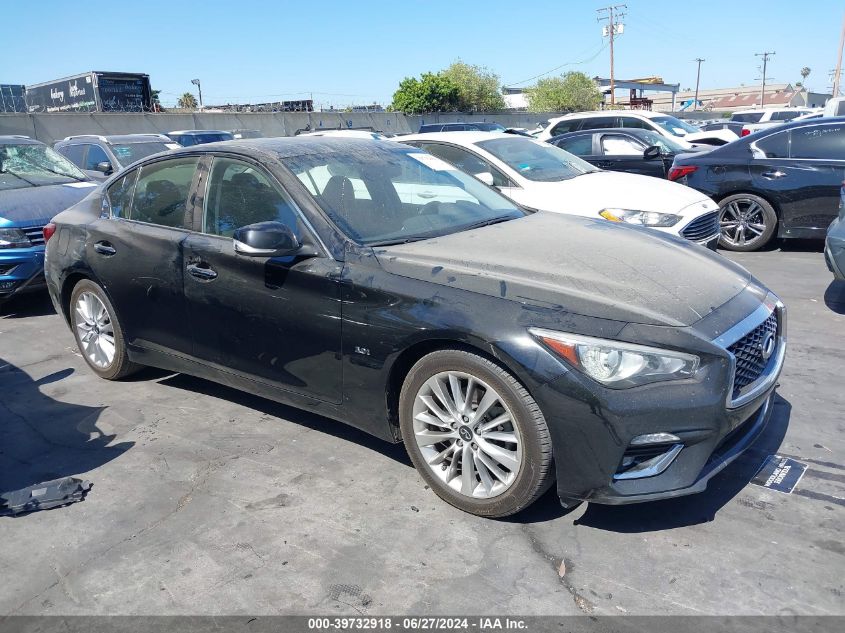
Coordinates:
(130, 152)
(674, 126)
(30, 165)
(666, 145)
(379, 194)
(199, 139)
(536, 161)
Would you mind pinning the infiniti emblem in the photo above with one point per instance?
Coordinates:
(767, 345)
(466, 433)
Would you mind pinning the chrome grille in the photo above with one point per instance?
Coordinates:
(702, 228)
(35, 234)
(748, 352)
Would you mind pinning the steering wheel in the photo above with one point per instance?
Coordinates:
(430, 208)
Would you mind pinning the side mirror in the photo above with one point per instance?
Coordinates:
(104, 167)
(266, 239)
(486, 177)
(651, 152)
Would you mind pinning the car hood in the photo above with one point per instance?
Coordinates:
(724, 135)
(37, 205)
(590, 193)
(577, 265)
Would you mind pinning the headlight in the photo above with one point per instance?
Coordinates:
(14, 238)
(643, 218)
(616, 364)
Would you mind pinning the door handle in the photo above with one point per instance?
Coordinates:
(202, 272)
(772, 175)
(104, 248)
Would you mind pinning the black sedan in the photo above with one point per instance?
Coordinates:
(633, 150)
(373, 283)
(783, 181)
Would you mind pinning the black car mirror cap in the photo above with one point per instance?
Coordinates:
(267, 239)
(104, 166)
(651, 152)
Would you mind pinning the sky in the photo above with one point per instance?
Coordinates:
(343, 53)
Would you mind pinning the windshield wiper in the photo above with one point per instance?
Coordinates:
(29, 182)
(397, 241)
(478, 225)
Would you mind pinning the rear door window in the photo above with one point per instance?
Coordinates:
(120, 194)
(599, 122)
(162, 191)
(775, 146)
(824, 142)
(580, 145)
(566, 126)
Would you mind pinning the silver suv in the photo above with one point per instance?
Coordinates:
(100, 156)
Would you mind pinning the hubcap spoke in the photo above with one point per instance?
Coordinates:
(462, 428)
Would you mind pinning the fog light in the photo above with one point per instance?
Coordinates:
(647, 460)
(7, 285)
(655, 438)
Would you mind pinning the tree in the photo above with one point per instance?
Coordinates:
(188, 101)
(478, 87)
(430, 93)
(805, 72)
(567, 93)
(156, 101)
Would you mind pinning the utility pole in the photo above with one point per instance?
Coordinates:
(838, 72)
(196, 82)
(613, 13)
(765, 56)
(697, 77)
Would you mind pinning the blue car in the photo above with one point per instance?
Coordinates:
(36, 183)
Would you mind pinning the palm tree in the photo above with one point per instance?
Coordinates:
(804, 72)
(188, 101)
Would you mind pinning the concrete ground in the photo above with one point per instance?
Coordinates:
(210, 501)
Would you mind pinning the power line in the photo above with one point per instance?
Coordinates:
(583, 61)
(614, 27)
(765, 56)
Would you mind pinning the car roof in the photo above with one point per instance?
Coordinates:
(634, 131)
(199, 132)
(285, 146)
(117, 138)
(789, 125)
(15, 139)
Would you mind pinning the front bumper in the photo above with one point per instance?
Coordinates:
(21, 270)
(593, 427)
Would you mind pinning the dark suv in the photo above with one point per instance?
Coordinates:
(198, 137)
(100, 156)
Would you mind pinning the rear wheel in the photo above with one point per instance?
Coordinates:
(747, 221)
(475, 434)
(98, 333)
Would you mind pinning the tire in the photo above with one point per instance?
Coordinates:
(99, 323)
(743, 216)
(509, 464)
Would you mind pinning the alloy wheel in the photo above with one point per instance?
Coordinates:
(467, 434)
(743, 221)
(95, 329)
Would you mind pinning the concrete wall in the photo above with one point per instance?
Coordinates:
(53, 127)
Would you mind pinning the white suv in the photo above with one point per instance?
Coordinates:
(663, 124)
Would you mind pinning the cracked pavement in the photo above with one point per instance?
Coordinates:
(207, 500)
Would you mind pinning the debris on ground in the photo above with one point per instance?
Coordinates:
(43, 496)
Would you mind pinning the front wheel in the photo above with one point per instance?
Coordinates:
(475, 434)
(98, 333)
(747, 221)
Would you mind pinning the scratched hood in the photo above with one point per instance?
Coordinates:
(584, 266)
(32, 206)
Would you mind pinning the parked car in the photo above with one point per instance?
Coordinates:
(187, 138)
(506, 349)
(778, 117)
(733, 126)
(540, 176)
(35, 184)
(238, 134)
(478, 126)
(834, 246)
(631, 150)
(782, 181)
(664, 124)
(100, 156)
(764, 115)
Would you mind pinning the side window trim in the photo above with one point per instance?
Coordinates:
(134, 173)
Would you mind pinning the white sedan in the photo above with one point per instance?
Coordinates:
(540, 176)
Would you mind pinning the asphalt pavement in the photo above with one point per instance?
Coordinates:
(206, 500)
